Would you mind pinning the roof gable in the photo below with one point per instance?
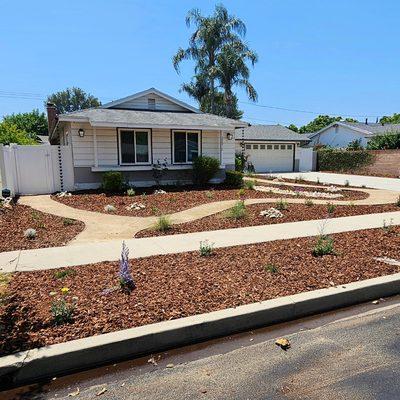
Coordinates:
(151, 100)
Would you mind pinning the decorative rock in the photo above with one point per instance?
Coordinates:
(160, 191)
(271, 213)
(109, 208)
(136, 206)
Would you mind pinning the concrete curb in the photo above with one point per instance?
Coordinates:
(32, 365)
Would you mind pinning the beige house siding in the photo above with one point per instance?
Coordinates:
(141, 103)
(101, 145)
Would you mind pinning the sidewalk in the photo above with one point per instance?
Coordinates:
(375, 182)
(55, 257)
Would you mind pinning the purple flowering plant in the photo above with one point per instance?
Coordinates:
(125, 277)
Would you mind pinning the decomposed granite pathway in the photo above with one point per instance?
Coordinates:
(90, 252)
(103, 227)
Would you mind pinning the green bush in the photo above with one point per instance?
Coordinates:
(281, 205)
(238, 211)
(323, 246)
(250, 184)
(62, 312)
(234, 178)
(163, 223)
(204, 169)
(388, 141)
(343, 160)
(206, 249)
(10, 133)
(113, 182)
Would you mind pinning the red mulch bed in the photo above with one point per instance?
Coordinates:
(179, 285)
(175, 200)
(294, 212)
(51, 230)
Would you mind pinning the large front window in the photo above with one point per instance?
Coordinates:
(134, 146)
(186, 146)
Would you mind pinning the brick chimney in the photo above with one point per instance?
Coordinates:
(52, 118)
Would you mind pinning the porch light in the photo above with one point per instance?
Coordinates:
(81, 132)
(229, 136)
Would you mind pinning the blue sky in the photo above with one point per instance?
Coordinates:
(338, 57)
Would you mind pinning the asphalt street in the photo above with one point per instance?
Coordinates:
(350, 354)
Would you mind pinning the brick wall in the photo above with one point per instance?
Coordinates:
(387, 163)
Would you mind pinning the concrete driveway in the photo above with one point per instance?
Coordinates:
(373, 182)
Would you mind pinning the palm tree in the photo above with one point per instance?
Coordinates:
(209, 37)
(232, 70)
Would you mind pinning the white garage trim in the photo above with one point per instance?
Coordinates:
(271, 156)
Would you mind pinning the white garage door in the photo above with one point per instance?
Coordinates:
(277, 157)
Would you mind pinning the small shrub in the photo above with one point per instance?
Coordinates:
(398, 201)
(241, 192)
(346, 183)
(281, 205)
(273, 269)
(68, 221)
(163, 223)
(35, 215)
(155, 210)
(125, 277)
(62, 311)
(206, 248)
(250, 184)
(323, 246)
(30, 234)
(330, 208)
(113, 182)
(234, 178)
(238, 211)
(387, 226)
(130, 192)
(109, 208)
(63, 273)
(209, 194)
(204, 169)
(309, 203)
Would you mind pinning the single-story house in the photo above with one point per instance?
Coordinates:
(340, 134)
(273, 148)
(133, 133)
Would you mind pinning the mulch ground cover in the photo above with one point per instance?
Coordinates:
(50, 229)
(294, 212)
(179, 285)
(175, 200)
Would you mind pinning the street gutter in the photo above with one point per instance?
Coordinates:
(64, 358)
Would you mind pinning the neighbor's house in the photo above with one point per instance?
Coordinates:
(274, 148)
(340, 134)
(133, 133)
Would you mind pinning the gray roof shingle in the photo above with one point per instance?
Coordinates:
(374, 129)
(269, 132)
(121, 118)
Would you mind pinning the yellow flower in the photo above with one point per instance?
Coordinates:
(64, 290)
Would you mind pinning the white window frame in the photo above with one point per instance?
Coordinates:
(134, 131)
(187, 153)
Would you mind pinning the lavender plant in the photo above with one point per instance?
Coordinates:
(125, 278)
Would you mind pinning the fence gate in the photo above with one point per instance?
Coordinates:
(34, 169)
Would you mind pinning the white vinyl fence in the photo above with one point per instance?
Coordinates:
(40, 169)
(306, 159)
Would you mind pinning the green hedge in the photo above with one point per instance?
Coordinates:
(234, 179)
(343, 160)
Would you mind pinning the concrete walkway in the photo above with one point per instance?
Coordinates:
(340, 179)
(103, 227)
(55, 257)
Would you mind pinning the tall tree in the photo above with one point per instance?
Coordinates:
(10, 133)
(34, 122)
(232, 70)
(321, 122)
(394, 119)
(293, 128)
(211, 35)
(73, 99)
